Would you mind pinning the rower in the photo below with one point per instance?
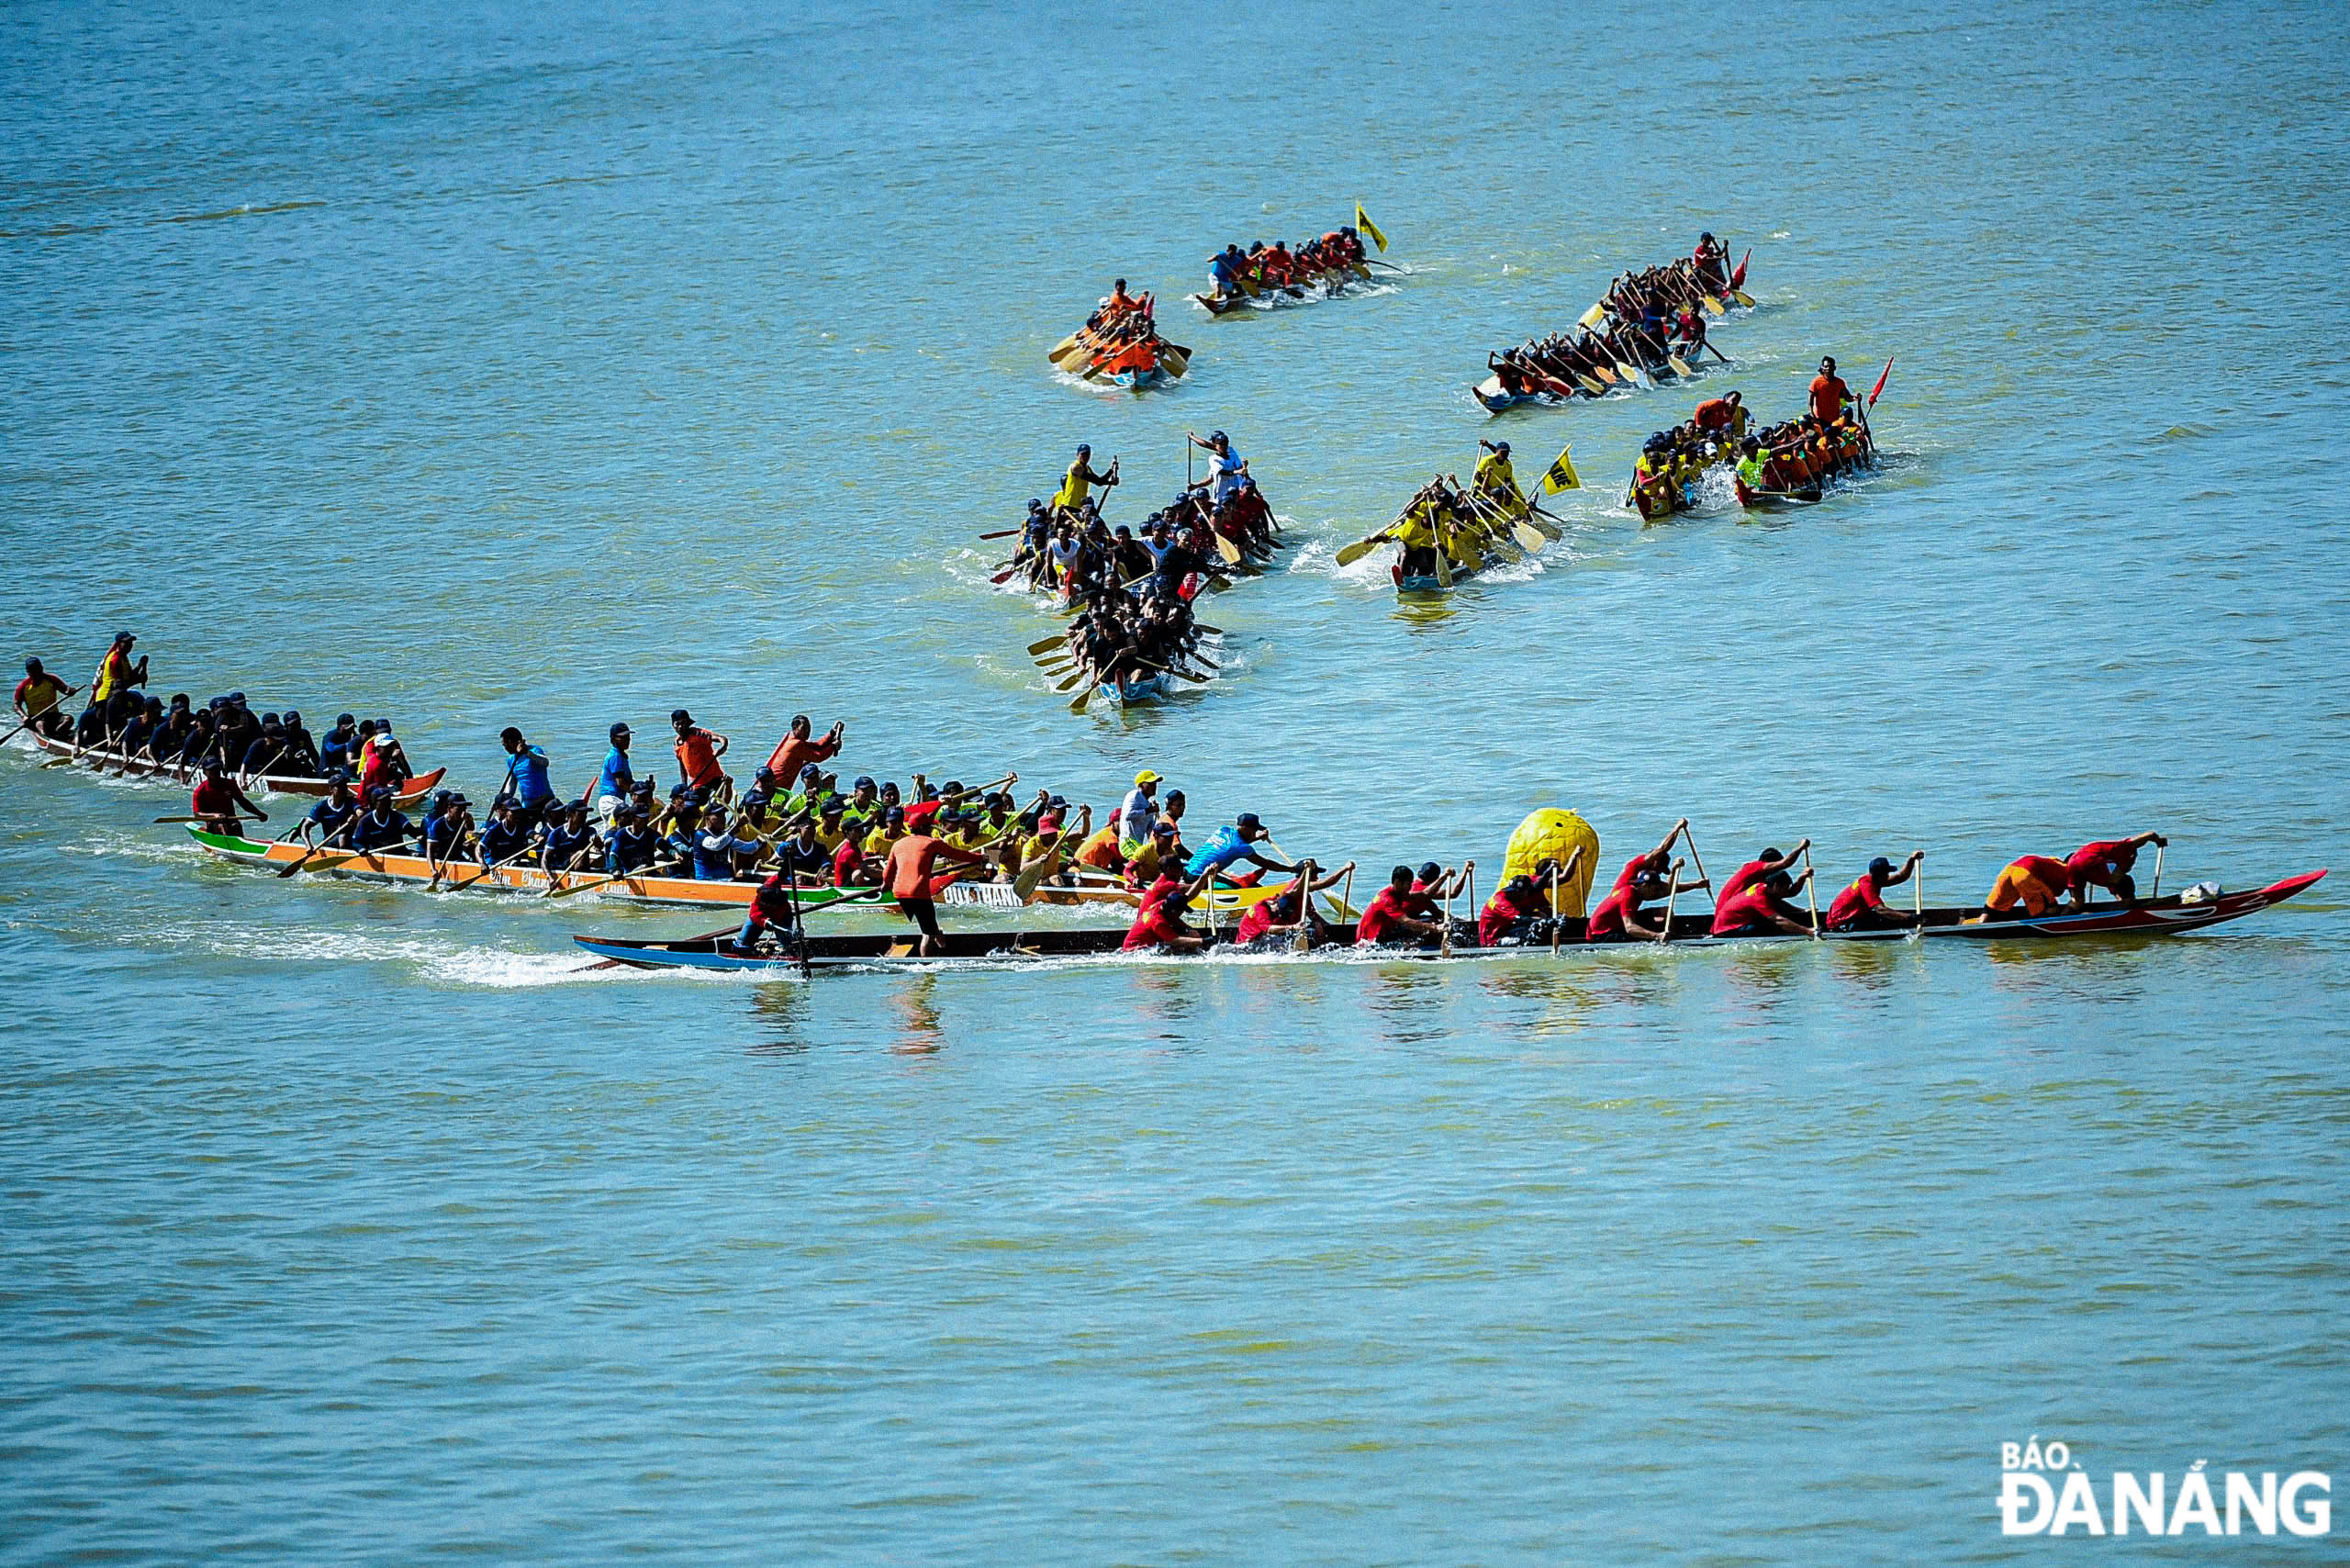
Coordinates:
(2034, 881)
(508, 833)
(1225, 268)
(796, 750)
(698, 752)
(1081, 478)
(2107, 864)
(267, 750)
(1755, 896)
(526, 788)
(339, 747)
(632, 845)
(380, 826)
(301, 752)
(719, 844)
(1120, 301)
(1273, 921)
(448, 833)
(333, 817)
(1160, 854)
(218, 799)
(1829, 395)
(570, 841)
(1227, 846)
(381, 761)
(616, 779)
(1862, 907)
(1519, 910)
(38, 701)
(238, 728)
(1158, 923)
(1388, 920)
(908, 871)
(1495, 480)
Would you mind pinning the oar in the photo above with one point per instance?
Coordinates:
(162, 820)
(1048, 644)
(1002, 533)
(1672, 891)
(514, 858)
(563, 892)
(1810, 892)
(346, 859)
(1531, 538)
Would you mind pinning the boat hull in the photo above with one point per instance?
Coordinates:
(2169, 916)
(415, 870)
(1128, 693)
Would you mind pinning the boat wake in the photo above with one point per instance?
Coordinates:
(447, 963)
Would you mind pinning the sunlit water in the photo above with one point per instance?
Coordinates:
(558, 367)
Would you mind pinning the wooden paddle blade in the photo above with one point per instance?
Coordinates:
(1606, 376)
(1082, 699)
(1360, 548)
(1443, 567)
(1680, 365)
(1050, 643)
(1742, 298)
(1714, 306)
(1062, 347)
(1024, 886)
(1083, 677)
(1546, 530)
(1228, 549)
(1593, 316)
(1528, 535)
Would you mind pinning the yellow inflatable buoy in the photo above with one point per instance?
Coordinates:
(1553, 835)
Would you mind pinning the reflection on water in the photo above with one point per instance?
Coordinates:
(913, 1006)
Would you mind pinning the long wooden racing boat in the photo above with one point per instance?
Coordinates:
(1130, 693)
(1332, 282)
(101, 761)
(415, 870)
(2167, 916)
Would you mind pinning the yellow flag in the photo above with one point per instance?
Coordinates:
(1562, 475)
(1364, 222)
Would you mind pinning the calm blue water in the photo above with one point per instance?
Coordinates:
(555, 367)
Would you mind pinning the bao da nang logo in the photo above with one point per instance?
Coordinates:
(2043, 1492)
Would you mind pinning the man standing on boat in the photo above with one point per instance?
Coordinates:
(1829, 395)
(1078, 483)
(908, 873)
(796, 750)
(1226, 466)
(1862, 907)
(617, 779)
(1712, 260)
(698, 753)
(526, 788)
(117, 672)
(38, 699)
(2107, 864)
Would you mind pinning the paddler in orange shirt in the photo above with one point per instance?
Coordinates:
(908, 874)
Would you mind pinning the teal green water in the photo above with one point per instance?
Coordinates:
(555, 367)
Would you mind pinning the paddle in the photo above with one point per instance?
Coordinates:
(1811, 893)
(161, 820)
(1047, 645)
(1522, 530)
(1672, 891)
(346, 859)
(516, 856)
(563, 892)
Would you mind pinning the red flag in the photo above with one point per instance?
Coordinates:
(1880, 383)
(1738, 278)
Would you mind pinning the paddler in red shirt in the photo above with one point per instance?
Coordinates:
(1862, 907)
(1518, 908)
(1755, 897)
(218, 799)
(1644, 878)
(1273, 921)
(1829, 395)
(2107, 864)
(1389, 919)
(1158, 923)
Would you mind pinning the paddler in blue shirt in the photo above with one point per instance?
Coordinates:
(526, 787)
(570, 843)
(332, 818)
(617, 780)
(1227, 846)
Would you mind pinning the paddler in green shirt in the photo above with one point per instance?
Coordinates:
(1750, 463)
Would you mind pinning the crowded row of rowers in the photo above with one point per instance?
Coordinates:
(1535, 908)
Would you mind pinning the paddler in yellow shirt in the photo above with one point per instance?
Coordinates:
(1495, 481)
(1078, 483)
(118, 673)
